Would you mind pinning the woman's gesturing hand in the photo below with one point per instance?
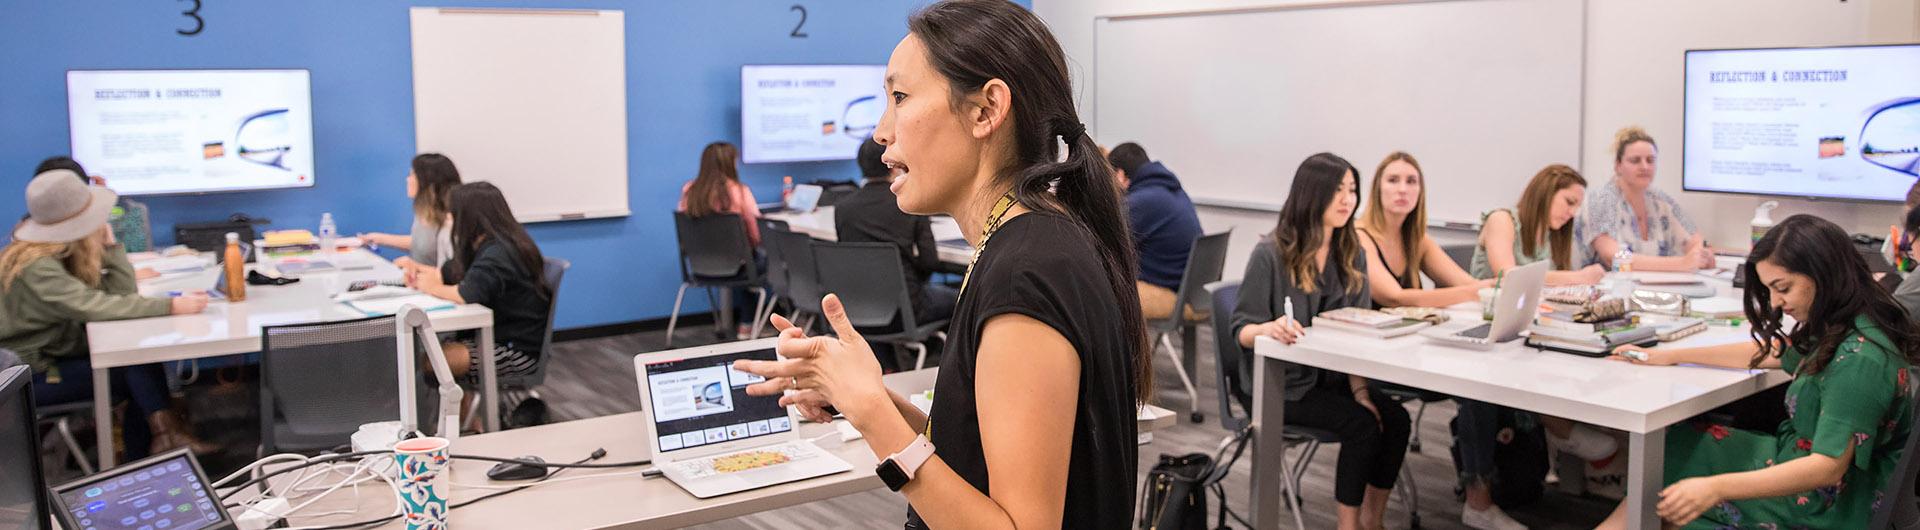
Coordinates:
(839, 370)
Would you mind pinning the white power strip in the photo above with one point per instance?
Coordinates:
(262, 515)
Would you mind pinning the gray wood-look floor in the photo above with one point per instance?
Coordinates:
(594, 377)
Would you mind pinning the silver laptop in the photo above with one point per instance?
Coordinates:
(709, 436)
(805, 198)
(1513, 310)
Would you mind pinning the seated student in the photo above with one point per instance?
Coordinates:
(1848, 408)
(495, 264)
(1163, 222)
(872, 215)
(1629, 213)
(1313, 259)
(430, 242)
(1899, 251)
(1394, 234)
(62, 270)
(717, 190)
(128, 219)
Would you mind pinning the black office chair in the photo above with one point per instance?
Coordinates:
(872, 286)
(715, 253)
(1901, 512)
(1204, 263)
(1234, 375)
(554, 270)
(799, 286)
(303, 413)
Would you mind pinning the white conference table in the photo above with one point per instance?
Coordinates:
(1642, 400)
(624, 499)
(229, 328)
(818, 224)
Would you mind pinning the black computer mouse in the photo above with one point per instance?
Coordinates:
(523, 468)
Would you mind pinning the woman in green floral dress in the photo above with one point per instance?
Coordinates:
(1848, 408)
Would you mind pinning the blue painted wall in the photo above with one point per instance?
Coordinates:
(683, 92)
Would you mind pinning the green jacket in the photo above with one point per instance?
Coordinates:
(44, 313)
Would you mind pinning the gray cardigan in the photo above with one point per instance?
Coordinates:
(1265, 288)
(1908, 294)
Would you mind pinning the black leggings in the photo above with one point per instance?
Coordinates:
(1370, 451)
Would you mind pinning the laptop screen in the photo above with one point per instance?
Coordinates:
(703, 401)
(164, 493)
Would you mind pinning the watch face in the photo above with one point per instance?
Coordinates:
(891, 474)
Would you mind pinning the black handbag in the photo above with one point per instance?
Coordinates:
(1175, 495)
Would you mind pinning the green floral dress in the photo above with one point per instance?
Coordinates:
(1859, 398)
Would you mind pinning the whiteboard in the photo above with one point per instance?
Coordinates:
(1484, 93)
(534, 101)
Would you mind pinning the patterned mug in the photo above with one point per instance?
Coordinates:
(423, 482)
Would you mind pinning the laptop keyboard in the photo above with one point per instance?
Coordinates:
(1477, 332)
(748, 460)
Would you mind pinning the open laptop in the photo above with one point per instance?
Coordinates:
(805, 198)
(167, 491)
(1513, 310)
(709, 436)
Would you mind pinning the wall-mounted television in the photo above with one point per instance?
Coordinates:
(800, 113)
(1835, 122)
(157, 132)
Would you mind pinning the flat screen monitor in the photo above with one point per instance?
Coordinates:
(158, 132)
(23, 485)
(800, 113)
(1836, 122)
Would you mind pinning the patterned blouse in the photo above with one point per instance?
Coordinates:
(1607, 212)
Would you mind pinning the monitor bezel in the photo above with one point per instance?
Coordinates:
(16, 389)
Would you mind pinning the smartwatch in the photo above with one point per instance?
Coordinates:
(898, 469)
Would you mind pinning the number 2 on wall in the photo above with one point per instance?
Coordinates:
(796, 27)
(193, 13)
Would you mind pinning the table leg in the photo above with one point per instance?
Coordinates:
(1269, 447)
(1646, 470)
(490, 382)
(103, 417)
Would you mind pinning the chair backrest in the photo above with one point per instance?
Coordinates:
(326, 379)
(713, 246)
(776, 258)
(1899, 497)
(803, 277)
(868, 280)
(1233, 369)
(1204, 264)
(554, 271)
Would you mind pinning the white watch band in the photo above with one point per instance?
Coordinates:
(913, 456)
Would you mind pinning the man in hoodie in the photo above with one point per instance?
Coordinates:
(1164, 226)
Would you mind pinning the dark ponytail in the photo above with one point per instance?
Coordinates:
(971, 42)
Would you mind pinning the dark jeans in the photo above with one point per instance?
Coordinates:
(145, 385)
(1476, 436)
(1371, 450)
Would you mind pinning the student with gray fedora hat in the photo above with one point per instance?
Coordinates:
(64, 269)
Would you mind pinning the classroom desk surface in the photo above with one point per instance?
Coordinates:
(228, 328)
(1642, 400)
(818, 224)
(623, 499)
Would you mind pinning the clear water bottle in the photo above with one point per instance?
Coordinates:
(1623, 273)
(327, 233)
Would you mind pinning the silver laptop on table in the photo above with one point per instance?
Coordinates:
(1513, 310)
(709, 436)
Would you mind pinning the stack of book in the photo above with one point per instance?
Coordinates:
(1368, 322)
(288, 242)
(1561, 332)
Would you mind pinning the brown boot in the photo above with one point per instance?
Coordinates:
(171, 432)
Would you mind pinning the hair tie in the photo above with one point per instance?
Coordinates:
(1073, 131)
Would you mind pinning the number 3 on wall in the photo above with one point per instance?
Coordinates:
(192, 13)
(796, 27)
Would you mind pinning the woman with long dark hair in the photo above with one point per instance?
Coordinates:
(1848, 348)
(495, 264)
(1310, 264)
(429, 243)
(1047, 356)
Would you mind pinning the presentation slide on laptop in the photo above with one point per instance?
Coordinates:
(808, 112)
(1817, 122)
(704, 401)
(185, 131)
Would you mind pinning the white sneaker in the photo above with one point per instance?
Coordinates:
(1489, 519)
(1588, 444)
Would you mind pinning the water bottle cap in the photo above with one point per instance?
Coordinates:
(233, 237)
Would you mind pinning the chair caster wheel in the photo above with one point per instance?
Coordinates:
(1196, 417)
(1415, 447)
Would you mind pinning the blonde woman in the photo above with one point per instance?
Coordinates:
(63, 270)
(1629, 213)
(1394, 235)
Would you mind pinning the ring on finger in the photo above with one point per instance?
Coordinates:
(794, 382)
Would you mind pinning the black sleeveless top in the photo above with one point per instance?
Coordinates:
(1399, 278)
(1046, 267)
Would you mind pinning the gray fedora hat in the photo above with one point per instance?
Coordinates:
(61, 209)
